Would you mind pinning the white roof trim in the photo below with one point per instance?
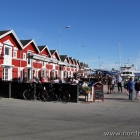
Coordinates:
(11, 31)
(34, 44)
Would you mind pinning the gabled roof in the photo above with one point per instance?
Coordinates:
(41, 48)
(25, 42)
(83, 64)
(3, 32)
(53, 52)
(29, 41)
(63, 57)
(75, 61)
(7, 32)
(71, 59)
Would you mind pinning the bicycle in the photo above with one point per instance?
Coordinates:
(42, 93)
(51, 94)
(30, 94)
(63, 95)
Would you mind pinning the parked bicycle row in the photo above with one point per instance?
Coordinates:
(43, 93)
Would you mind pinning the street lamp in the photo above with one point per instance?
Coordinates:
(59, 38)
(79, 51)
(99, 62)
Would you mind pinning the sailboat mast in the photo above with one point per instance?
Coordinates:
(120, 54)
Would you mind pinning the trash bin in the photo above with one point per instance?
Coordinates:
(98, 92)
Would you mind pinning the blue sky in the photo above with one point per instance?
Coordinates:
(110, 29)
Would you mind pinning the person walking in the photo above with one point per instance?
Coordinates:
(125, 85)
(109, 83)
(131, 85)
(113, 83)
(137, 89)
(119, 83)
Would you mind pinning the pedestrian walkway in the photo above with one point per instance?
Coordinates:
(115, 96)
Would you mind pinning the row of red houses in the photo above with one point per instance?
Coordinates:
(25, 60)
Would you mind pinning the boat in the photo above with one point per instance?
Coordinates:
(105, 72)
(126, 73)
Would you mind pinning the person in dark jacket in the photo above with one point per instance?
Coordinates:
(137, 89)
(126, 86)
(109, 83)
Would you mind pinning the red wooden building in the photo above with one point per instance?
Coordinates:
(23, 59)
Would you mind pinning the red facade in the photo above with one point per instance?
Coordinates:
(24, 60)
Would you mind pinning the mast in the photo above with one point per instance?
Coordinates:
(120, 54)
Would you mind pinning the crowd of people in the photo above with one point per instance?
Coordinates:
(130, 86)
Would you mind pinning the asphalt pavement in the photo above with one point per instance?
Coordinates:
(117, 117)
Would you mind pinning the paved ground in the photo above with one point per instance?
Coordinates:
(34, 120)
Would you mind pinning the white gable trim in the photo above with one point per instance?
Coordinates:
(11, 31)
(34, 44)
(46, 47)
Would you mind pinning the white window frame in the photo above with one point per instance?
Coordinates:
(5, 74)
(24, 56)
(14, 54)
(8, 50)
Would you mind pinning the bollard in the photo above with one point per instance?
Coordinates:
(9, 89)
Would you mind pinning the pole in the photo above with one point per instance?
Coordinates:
(99, 62)
(59, 38)
(120, 53)
(79, 54)
(59, 41)
(31, 69)
(9, 89)
(79, 51)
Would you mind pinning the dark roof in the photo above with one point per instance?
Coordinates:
(81, 63)
(63, 57)
(25, 42)
(3, 32)
(41, 47)
(52, 51)
(74, 59)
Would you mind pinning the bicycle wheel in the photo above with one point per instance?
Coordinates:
(59, 98)
(44, 96)
(27, 95)
(66, 97)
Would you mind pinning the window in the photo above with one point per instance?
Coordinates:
(43, 73)
(5, 74)
(29, 58)
(24, 56)
(15, 54)
(42, 63)
(6, 51)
